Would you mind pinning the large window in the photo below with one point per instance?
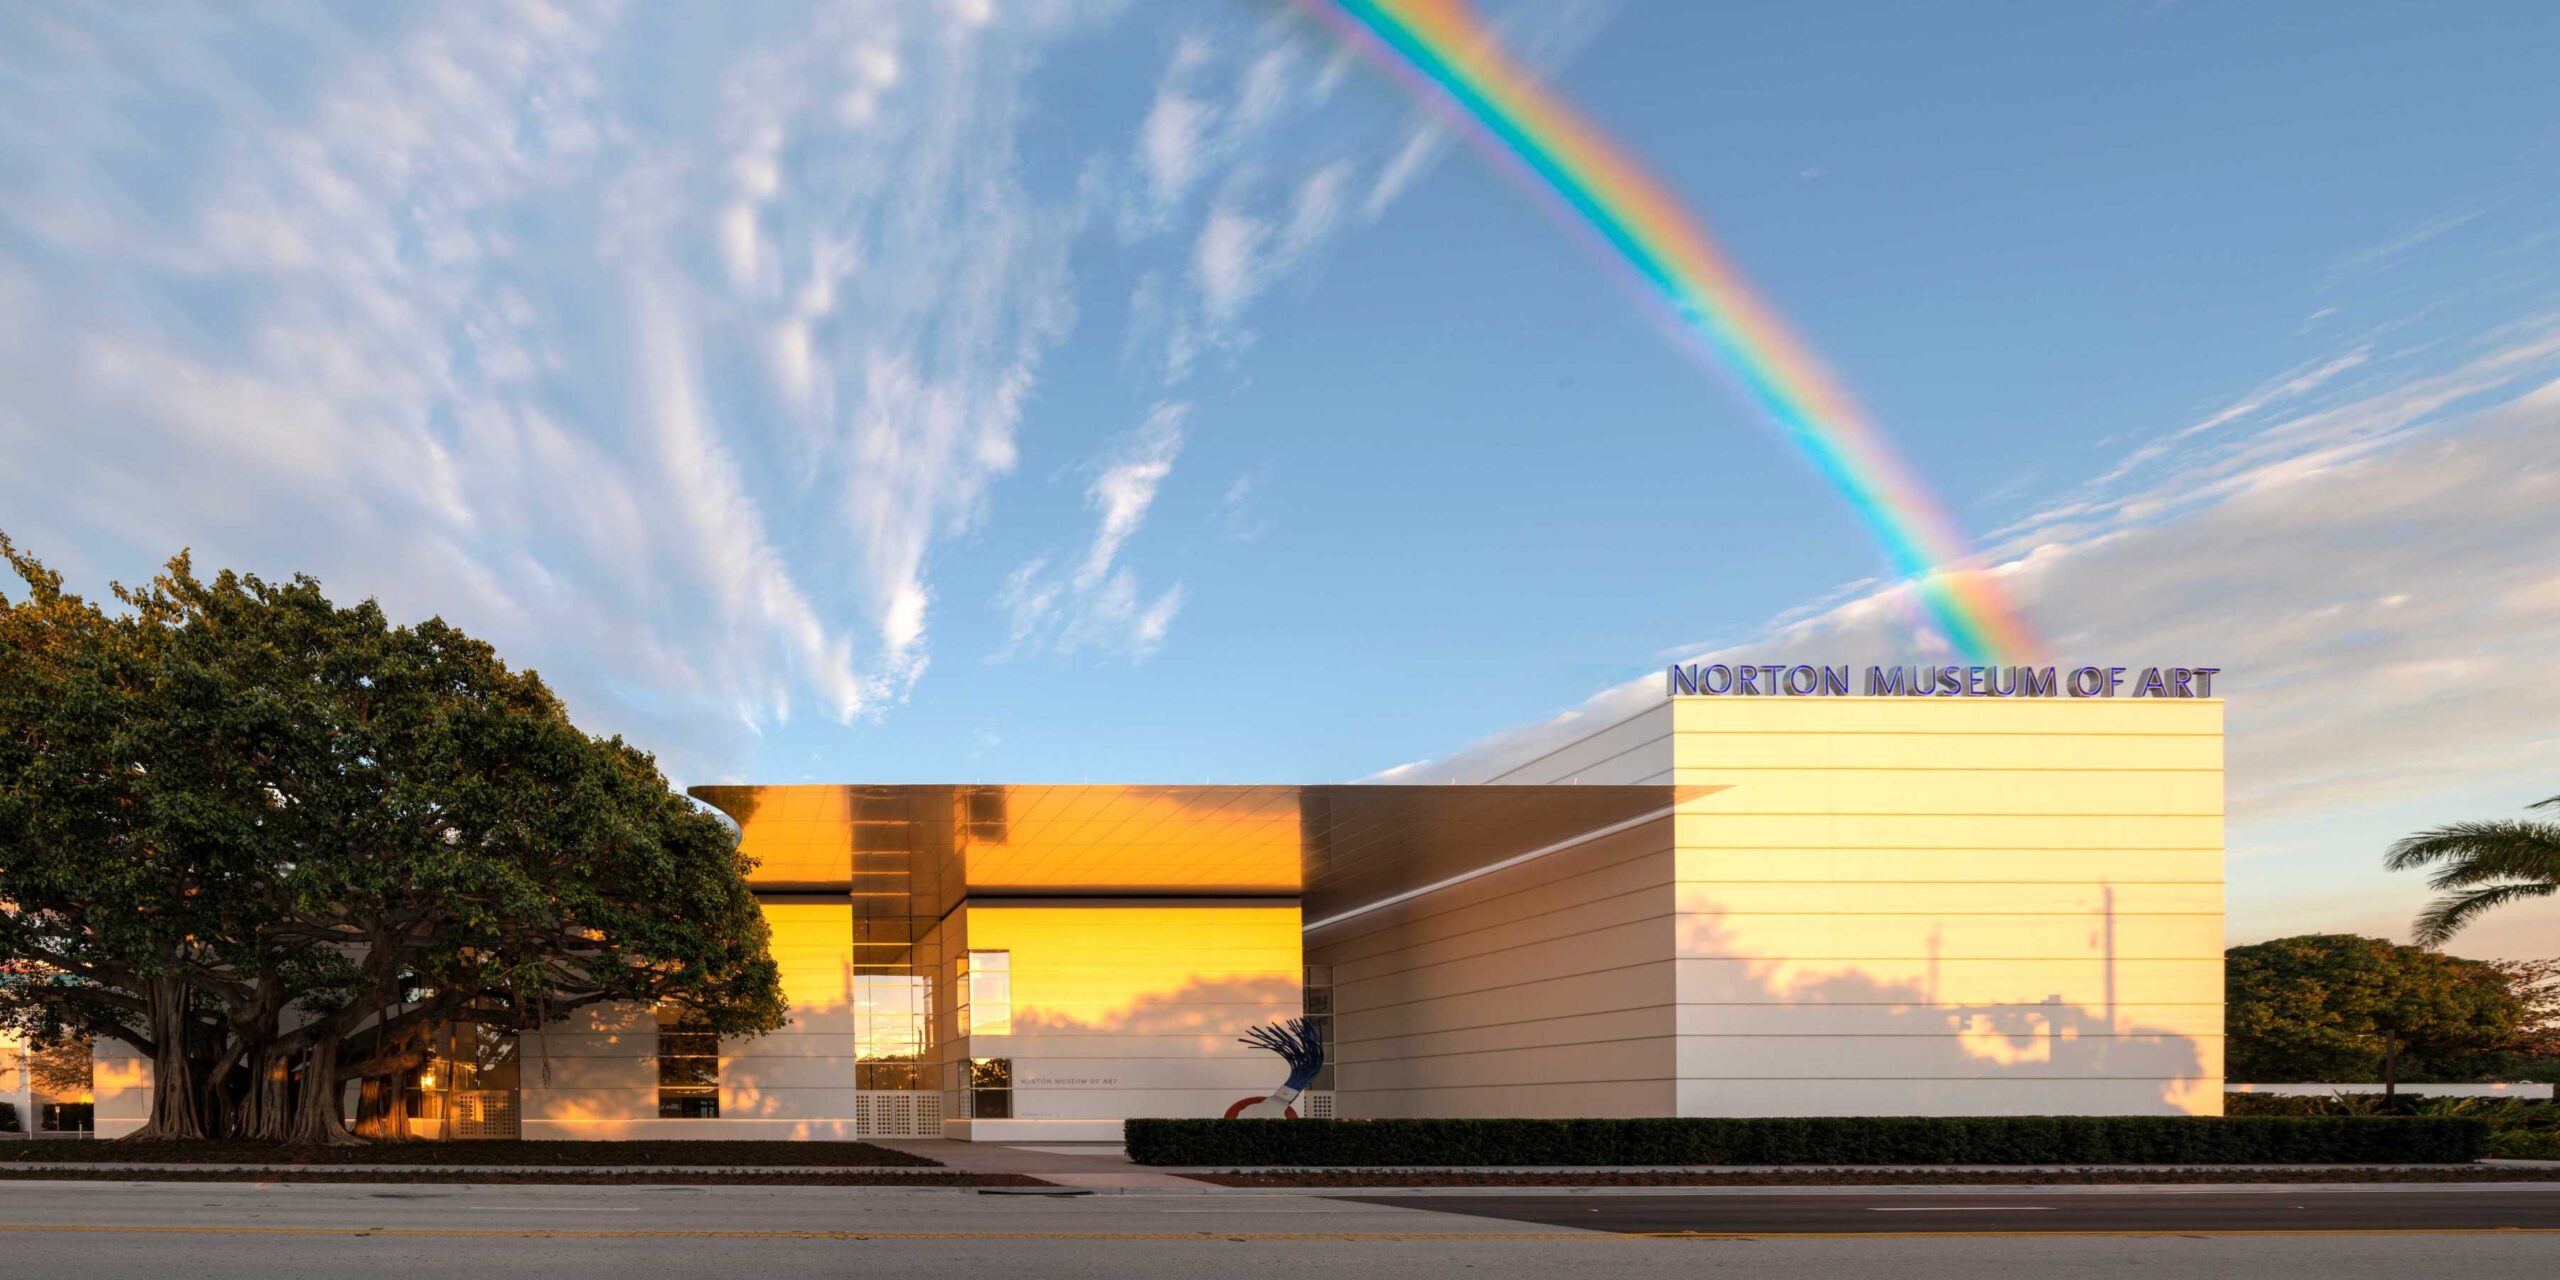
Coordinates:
(986, 993)
(891, 1017)
(68, 1117)
(462, 1058)
(61, 1077)
(990, 1088)
(1319, 1007)
(688, 1068)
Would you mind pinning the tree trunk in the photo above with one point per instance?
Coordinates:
(224, 1086)
(174, 1114)
(221, 1106)
(266, 1114)
(319, 1115)
(2390, 1069)
(381, 1113)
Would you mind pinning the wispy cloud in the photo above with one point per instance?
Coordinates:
(1226, 262)
(2386, 252)
(1171, 137)
(1238, 517)
(2284, 388)
(1413, 157)
(2374, 577)
(665, 364)
(1220, 171)
(1127, 487)
(1095, 602)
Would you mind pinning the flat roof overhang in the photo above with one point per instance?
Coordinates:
(922, 849)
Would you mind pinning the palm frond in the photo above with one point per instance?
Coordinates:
(2474, 852)
(2445, 917)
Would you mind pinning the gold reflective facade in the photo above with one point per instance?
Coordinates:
(919, 851)
(1042, 960)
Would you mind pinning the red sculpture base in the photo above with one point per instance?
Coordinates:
(1241, 1104)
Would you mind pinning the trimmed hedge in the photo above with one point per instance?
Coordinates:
(1918, 1140)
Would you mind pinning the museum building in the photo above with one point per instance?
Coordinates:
(1718, 906)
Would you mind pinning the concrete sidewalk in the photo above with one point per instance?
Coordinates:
(1105, 1185)
(1094, 1166)
(1114, 1174)
(1105, 1167)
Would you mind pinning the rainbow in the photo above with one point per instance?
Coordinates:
(1453, 60)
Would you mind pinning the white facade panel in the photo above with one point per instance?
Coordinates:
(1877, 906)
(1634, 750)
(1895, 1096)
(1481, 999)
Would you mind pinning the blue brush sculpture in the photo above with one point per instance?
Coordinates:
(1299, 1044)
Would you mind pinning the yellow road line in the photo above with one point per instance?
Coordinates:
(1199, 1237)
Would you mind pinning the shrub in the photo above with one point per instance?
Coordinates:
(1913, 1140)
(2501, 1113)
(2315, 1104)
(2525, 1144)
(2280, 1104)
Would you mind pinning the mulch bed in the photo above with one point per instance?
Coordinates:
(1877, 1177)
(487, 1177)
(725, 1153)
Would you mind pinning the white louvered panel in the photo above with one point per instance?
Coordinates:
(897, 1113)
(485, 1113)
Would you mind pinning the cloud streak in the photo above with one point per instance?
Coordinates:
(2375, 576)
(666, 363)
(1096, 603)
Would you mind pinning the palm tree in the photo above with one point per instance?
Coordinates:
(2480, 865)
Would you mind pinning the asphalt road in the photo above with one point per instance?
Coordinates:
(281, 1232)
(2059, 1209)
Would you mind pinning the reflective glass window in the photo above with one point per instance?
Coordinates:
(688, 1068)
(991, 1088)
(986, 993)
(1318, 1004)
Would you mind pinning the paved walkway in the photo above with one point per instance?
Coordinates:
(1105, 1166)
(1096, 1165)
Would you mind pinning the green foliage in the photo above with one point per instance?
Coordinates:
(9, 1117)
(2332, 1007)
(2478, 866)
(2322, 1104)
(272, 841)
(1891, 1140)
(2525, 1144)
(63, 1069)
(2501, 1113)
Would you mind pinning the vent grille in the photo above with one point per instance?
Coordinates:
(897, 1113)
(485, 1113)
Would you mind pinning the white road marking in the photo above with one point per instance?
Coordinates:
(549, 1208)
(1257, 1209)
(1962, 1208)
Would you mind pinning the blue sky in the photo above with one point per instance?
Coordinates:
(908, 391)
